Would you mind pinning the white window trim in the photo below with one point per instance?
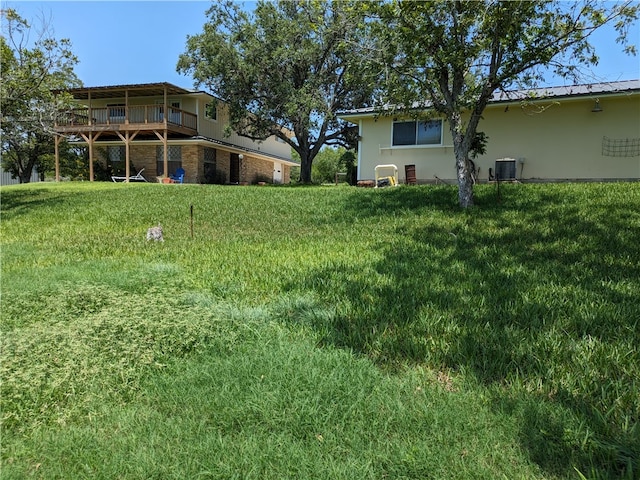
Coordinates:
(429, 145)
(215, 120)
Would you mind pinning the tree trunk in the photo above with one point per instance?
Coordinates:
(465, 182)
(461, 146)
(25, 170)
(305, 169)
(24, 173)
(25, 177)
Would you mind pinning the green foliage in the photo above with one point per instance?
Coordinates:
(28, 105)
(350, 333)
(290, 65)
(452, 56)
(327, 164)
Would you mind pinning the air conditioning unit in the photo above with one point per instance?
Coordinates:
(506, 169)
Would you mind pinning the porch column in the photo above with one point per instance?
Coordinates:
(165, 153)
(90, 138)
(164, 117)
(127, 161)
(90, 119)
(128, 137)
(165, 149)
(56, 140)
(91, 157)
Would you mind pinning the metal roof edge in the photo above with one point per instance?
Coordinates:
(246, 149)
(622, 87)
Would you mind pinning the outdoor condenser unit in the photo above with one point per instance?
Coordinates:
(506, 169)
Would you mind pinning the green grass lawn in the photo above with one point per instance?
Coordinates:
(325, 332)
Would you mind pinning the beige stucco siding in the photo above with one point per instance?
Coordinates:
(559, 139)
(565, 140)
(216, 129)
(375, 149)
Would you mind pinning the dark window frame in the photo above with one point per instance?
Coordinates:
(407, 133)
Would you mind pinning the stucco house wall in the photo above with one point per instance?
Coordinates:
(551, 139)
(211, 128)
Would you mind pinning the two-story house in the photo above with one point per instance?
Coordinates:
(159, 128)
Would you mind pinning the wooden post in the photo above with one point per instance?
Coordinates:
(127, 139)
(91, 158)
(90, 119)
(164, 108)
(191, 221)
(165, 157)
(90, 139)
(127, 161)
(57, 155)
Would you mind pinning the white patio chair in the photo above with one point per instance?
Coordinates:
(135, 178)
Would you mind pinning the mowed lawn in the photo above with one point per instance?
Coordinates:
(320, 332)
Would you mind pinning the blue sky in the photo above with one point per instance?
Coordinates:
(121, 42)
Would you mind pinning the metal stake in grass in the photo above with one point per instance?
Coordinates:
(191, 220)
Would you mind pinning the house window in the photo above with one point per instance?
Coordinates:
(116, 156)
(116, 153)
(210, 175)
(422, 132)
(174, 154)
(211, 111)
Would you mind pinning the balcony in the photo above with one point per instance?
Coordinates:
(128, 118)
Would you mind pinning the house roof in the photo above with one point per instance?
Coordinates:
(572, 91)
(607, 88)
(133, 90)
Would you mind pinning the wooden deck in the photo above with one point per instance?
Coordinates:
(128, 118)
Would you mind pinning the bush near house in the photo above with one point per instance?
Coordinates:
(325, 332)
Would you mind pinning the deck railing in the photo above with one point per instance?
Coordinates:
(133, 114)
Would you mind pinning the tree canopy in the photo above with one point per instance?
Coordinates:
(450, 57)
(30, 74)
(285, 69)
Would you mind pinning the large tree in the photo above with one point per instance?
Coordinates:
(450, 57)
(34, 64)
(284, 70)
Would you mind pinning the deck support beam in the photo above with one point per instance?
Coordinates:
(90, 137)
(56, 146)
(127, 139)
(165, 150)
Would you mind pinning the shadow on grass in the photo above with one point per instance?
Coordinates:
(536, 297)
(17, 201)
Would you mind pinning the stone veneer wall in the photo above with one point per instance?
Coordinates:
(144, 156)
(256, 170)
(223, 163)
(252, 170)
(193, 163)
